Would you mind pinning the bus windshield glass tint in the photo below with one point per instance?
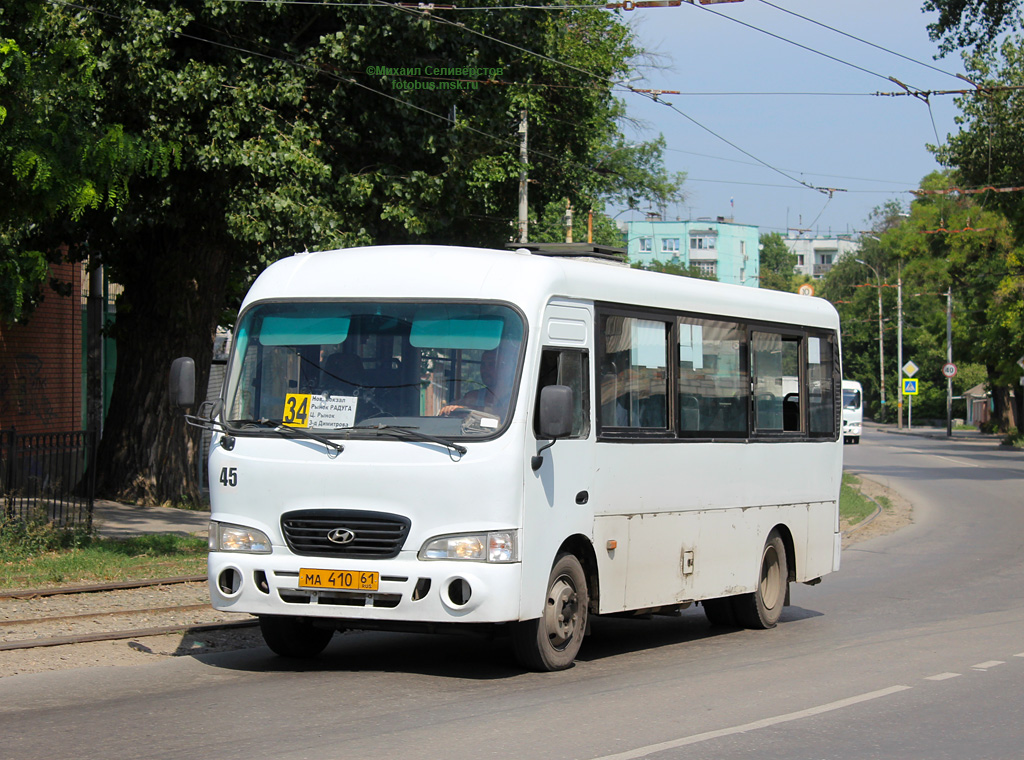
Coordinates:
(447, 369)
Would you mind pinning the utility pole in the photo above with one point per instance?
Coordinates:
(523, 162)
(949, 360)
(899, 340)
(568, 221)
(881, 336)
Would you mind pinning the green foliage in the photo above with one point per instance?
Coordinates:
(26, 538)
(949, 243)
(778, 265)
(854, 507)
(57, 158)
(963, 23)
(551, 227)
(35, 552)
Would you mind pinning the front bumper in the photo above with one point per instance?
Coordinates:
(410, 590)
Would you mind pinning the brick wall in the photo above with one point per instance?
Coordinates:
(41, 362)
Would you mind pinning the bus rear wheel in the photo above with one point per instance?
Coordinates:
(763, 607)
(294, 637)
(552, 641)
(720, 612)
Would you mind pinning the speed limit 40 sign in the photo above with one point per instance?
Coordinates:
(949, 370)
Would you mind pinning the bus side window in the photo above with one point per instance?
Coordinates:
(567, 367)
(824, 386)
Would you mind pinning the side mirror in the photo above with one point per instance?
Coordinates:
(556, 408)
(554, 419)
(183, 382)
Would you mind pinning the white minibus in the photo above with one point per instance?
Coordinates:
(427, 437)
(853, 411)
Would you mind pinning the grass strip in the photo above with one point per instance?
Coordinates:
(854, 507)
(34, 556)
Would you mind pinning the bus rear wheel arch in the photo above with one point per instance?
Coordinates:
(761, 608)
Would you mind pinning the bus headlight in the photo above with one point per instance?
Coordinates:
(497, 546)
(225, 537)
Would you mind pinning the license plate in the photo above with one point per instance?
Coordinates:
(350, 580)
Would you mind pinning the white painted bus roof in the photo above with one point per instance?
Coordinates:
(528, 280)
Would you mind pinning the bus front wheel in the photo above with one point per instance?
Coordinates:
(294, 636)
(763, 607)
(552, 641)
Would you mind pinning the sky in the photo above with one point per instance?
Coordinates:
(814, 119)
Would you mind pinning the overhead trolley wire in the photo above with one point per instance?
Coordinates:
(858, 39)
(792, 42)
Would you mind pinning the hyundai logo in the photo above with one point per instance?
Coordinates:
(341, 536)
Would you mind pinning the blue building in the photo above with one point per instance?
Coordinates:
(724, 249)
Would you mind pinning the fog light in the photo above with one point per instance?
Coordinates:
(229, 581)
(459, 592)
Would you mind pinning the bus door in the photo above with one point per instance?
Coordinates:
(557, 493)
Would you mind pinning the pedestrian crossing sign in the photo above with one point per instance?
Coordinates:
(909, 386)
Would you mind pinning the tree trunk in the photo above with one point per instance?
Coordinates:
(1001, 407)
(170, 308)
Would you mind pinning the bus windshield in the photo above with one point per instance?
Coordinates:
(851, 398)
(445, 369)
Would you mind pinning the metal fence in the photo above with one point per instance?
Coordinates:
(44, 477)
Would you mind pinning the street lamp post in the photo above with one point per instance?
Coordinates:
(881, 335)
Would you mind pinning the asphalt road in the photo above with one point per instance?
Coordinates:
(915, 649)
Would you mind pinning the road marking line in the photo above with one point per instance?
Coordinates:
(988, 664)
(1019, 655)
(942, 676)
(766, 723)
(957, 461)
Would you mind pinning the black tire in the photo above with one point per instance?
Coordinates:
(294, 637)
(552, 641)
(763, 607)
(720, 612)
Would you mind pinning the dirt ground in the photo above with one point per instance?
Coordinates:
(142, 650)
(897, 513)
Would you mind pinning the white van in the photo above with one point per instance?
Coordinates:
(428, 437)
(853, 411)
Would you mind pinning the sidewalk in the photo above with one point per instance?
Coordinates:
(932, 432)
(114, 520)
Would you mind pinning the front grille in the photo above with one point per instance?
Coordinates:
(377, 535)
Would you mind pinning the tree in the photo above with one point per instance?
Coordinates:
(56, 159)
(778, 264)
(948, 244)
(310, 126)
(963, 23)
(551, 227)
(988, 151)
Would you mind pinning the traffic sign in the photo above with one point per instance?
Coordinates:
(949, 370)
(910, 369)
(909, 387)
(806, 289)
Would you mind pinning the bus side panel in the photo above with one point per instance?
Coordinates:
(686, 556)
(695, 516)
(820, 555)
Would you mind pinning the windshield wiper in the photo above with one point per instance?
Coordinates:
(295, 432)
(411, 433)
